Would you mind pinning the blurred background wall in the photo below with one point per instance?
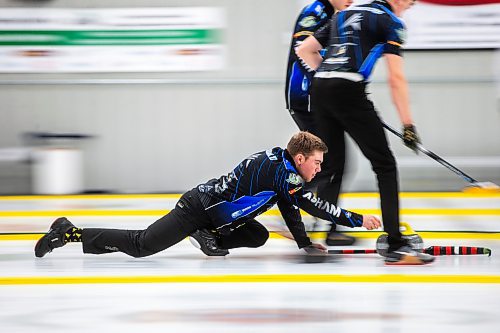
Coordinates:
(167, 132)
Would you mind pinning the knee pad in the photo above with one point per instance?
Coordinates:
(248, 234)
(261, 235)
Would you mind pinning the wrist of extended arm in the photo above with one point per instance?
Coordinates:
(350, 219)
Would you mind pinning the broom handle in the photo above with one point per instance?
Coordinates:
(435, 157)
(434, 250)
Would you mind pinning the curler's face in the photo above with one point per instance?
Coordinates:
(309, 166)
(341, 4)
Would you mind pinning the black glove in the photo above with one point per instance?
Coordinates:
(311, 250)
(410, 137)
(314, 255)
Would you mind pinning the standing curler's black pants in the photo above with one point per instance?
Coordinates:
(340, 106)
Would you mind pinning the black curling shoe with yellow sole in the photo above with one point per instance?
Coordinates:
(405, 255)
(54, 238)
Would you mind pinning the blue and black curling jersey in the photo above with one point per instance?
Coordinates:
(258, 183)
(357, 37)
(310, 19)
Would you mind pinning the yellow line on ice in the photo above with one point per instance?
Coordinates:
(272, 212)
(90, 212)
(322, 235)
(258, 278)
(176, 196)
(423, 234)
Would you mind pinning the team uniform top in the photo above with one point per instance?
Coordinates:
(260, 181)
(356, 37)
(312, 17)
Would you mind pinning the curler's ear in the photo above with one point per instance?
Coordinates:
(300, 158)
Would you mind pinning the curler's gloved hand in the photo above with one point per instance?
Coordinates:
(410, 137)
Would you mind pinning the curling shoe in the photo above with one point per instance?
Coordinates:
(335, 238)
(206, 241)
(405, 255)
(54, 238)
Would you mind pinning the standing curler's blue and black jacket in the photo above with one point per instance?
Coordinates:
(298, 80)
(258, 183)
(356, 38)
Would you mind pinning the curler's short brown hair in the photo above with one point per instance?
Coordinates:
(305, 143)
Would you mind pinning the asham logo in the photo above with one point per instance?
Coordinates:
(322, 204)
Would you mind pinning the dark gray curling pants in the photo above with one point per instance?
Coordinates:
(187, 216)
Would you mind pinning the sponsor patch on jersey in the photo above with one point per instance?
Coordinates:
(318, 9)
(271, 155)
(302, 33)
(341, 50)
(294, 190)
(401, 35)
(394, 43)
(305, 84)
(294, 179)
(308, 21)
(340, 60)
(205, 188)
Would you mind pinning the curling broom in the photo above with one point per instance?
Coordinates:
(474, 185)
(434, 250)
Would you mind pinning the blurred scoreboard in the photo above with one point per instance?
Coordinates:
(453, 24)
(448, 24)
(34, 40)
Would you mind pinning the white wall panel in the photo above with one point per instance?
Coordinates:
(173, 133)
